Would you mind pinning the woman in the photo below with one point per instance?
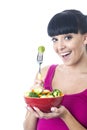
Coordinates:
(68, 30)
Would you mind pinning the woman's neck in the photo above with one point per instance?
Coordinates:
(80, 66)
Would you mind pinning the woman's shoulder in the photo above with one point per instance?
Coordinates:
(45, 69)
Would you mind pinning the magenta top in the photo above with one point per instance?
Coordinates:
(75, 103)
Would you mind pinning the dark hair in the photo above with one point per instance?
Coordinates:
(68, 21)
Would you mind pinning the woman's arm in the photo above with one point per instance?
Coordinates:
(30, 121)
(71, 122)
(64, 114)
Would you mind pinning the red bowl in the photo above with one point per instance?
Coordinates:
(44, 104)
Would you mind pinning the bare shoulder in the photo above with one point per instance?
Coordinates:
(44, 71)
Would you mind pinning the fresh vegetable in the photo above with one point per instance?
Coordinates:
(37, 90)
(33, 94)
(43, 93)
(56, 92)
(41, 49)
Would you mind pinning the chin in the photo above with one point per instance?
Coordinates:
(68, 63)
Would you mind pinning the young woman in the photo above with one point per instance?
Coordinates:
(68, 30)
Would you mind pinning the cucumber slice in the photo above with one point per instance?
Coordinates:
(37, 90)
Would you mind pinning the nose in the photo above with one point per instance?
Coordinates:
(60, 46)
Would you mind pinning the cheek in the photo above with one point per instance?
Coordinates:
(78, 50)
(75, 46)
(55, 49)
(72, 44)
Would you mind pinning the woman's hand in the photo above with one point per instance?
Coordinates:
(61, 112)
(30, 121)
(55, 112)
(32, 112)
(38, 84)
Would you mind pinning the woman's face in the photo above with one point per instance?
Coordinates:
(70, 47)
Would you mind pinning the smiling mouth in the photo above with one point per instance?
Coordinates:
(65, 55)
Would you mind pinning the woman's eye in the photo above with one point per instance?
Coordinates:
(54, 39)
(68, 37)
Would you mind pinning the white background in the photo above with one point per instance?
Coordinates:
(23, 27)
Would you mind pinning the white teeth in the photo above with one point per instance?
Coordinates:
(66, 53)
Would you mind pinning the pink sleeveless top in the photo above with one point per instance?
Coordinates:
(75, 103)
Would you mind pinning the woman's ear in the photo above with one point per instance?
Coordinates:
(85, 39)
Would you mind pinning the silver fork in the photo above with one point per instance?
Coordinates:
(40, 61)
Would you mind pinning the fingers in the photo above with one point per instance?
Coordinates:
(31, 111)
(54, 109)
(38, 83)
(40, 113)
(47, 115)
(58, 110)
(61, 111)
(55, 112)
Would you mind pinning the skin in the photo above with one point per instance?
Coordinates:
(73, 72)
